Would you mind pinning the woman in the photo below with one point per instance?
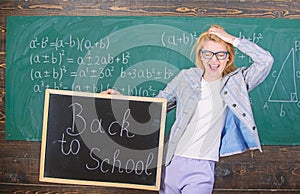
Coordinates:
(213, 111)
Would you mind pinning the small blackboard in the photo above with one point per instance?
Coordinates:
(102, 140)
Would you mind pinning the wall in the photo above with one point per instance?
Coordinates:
(277, 169)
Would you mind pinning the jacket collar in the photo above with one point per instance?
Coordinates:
(198, 73)
(226, 77)
(197, 77)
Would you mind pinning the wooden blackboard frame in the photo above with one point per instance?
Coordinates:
(45, 178)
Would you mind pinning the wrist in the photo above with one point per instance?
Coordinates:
(236, 42)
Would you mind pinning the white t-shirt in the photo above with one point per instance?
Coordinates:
(202, 138)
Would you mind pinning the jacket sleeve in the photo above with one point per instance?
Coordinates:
(261, 66)
(170, 91)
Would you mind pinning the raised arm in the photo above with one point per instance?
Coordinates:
(262, 59)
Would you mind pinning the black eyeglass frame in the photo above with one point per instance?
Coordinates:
(225, 53)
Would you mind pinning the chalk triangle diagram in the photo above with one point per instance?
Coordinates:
(284, 88)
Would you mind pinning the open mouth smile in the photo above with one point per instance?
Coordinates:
(214, 67)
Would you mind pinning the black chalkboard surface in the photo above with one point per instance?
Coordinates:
(102, 140)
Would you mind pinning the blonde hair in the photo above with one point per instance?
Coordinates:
(205, 36)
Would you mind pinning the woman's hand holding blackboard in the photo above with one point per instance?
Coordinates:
(111, 91)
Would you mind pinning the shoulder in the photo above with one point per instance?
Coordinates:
(190, 77)
(239, 70)
(191, 71)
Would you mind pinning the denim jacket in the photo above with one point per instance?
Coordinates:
(240, 131)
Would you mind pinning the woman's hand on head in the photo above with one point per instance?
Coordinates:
(111, 91)
(221, 33)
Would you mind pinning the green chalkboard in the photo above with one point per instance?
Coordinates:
(139, 56)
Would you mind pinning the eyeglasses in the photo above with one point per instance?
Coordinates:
(221, 55)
